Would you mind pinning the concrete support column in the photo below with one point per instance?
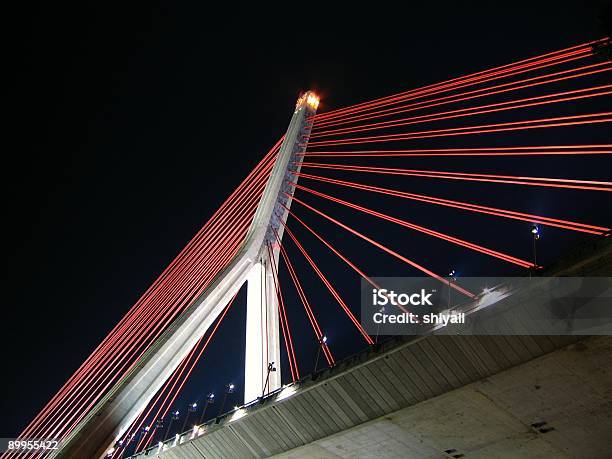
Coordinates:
(262, 332)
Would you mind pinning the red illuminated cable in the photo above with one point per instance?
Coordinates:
(148, 442)
(82, 413)
(603, 149)
(532, 218)
(443, 88)
(574, 120)
(329, 286)
(191, 365)
(376, 102)
(333, 249)
(53, 402)
(573, 95)
(174, 385)
(172, 389)
(311, 317)
(386, 249)
(421, 229)
(304, 299)
(580, 50)
(284, 330)
(591, 185)
(556, 77)
(142, 417)
(341, 256)
(189, 361)
(295, 373)
(189, 298)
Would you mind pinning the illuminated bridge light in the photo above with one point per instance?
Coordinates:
(312, 100)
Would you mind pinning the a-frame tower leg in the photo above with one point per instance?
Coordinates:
(262, 332)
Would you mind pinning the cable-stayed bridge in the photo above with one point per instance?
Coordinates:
(330, 169)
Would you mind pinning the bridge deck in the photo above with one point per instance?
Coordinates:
(437, 396)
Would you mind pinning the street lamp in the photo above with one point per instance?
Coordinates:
(271, 368)
(143, 432)
(452, 277)
(159, 425)
(382, 311)
(191, 408)
(229, 389)
(322, 342)
(174, 417)
(210, 399)
(535, 232)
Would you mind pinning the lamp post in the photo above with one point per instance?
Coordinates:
(191, 408)
(271, 368)
(535, 232)
(322, 342)
(173, 417)
(143, 432)
(159, 425)
(210, 399)
(452, 277)
(229, 389)
(382, 311)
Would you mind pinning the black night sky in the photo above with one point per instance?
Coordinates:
(129, 126)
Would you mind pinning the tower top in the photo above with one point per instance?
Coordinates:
(309, 98)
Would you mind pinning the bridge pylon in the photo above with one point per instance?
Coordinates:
(108, 421)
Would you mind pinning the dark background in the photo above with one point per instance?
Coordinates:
(129, 126)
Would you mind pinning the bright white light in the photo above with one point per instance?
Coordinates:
(491, 296)
(111, 451)
(194, 405)
(239, 413)
(324, 339)
(286, 393)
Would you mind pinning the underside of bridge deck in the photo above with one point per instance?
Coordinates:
(436, 396)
